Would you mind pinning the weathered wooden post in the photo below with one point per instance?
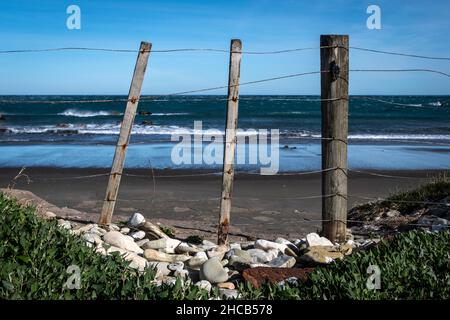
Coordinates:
(125, 131)
(230, 140)
(334, 57)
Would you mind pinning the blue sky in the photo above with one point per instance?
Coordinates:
(419, 27)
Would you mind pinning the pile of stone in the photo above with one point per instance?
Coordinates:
(206, 264)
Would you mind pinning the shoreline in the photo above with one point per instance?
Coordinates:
(188, 200)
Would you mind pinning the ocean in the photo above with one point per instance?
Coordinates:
(385, 132)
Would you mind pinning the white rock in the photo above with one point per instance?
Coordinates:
(196, 261)
(125, 230)
(136, 220)
(92, 238)
(260, 256)
(154, 255)
(114, 227)
(49, 215)
(204, 284)
(122, 241)
(181, 273)
(235, 246)
(174, 266)
(97, 231)
(137, 262)
(161, 268)
(283, 261)
(313, 239)
(268, 245)
(171, 244)
(64, 224)
(138, 235)
(142, 242)
(218, 251)
(101, 230)
(213, 271)
(184, 247)
(168, 244)
(101, 250)
(84, 229)
(229, 293)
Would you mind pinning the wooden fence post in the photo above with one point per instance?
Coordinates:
(230, 140)
(334, 64)
(125, 131)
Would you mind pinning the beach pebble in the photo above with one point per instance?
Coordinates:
(137, 262)
(181, 273)
(292, 248)
(168, 244)
(114, 227)
(161, 268)
(282, 261)
(136, 220)
(260, 256)
(247, 245)
(204, 284)
(125, 230)
(153, 255)
(197, 260)
(92, 238)
(138, 235)
(84, 229)
(213, 271)
(313, 239)
(226, 285)
(174, 266)
(64, 224)
(142, 242)
(228, 293)
(240, 253)
(206, 244)
(239, 263)
(218, 251)
(184, 247)
(269, 245)
(49, 215)
(235, 246)
(122, 241)
(321, 255)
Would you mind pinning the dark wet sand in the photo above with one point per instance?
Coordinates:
(263, 206)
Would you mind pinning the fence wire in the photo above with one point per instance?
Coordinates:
(402, 54)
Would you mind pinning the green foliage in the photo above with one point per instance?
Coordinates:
(35, 255)
(413, 265)
(194, 239)
(168, 231)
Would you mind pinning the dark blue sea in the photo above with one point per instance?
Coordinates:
(385, 132)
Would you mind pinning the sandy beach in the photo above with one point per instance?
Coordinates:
(263, 206)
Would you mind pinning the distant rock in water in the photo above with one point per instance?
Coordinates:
(64, 132)
(2, 117)
(146, 123)
(4, 130)
(63, 125)
(144, 113)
